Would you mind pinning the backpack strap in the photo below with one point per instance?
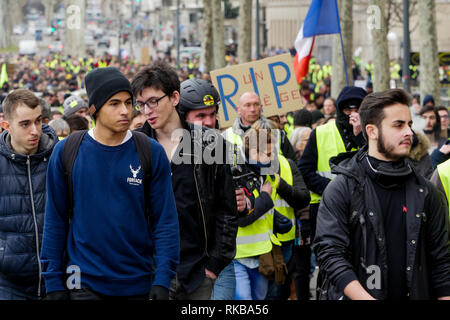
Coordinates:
(145, 157)
(69, 155)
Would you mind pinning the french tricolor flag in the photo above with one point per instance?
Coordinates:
(322, 18)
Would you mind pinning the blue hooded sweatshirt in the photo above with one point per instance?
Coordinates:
(109, 240)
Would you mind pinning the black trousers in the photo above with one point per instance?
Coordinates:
(89, 294)
(302, 260)
(313, 210)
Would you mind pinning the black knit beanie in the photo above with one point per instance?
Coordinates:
(102, 84)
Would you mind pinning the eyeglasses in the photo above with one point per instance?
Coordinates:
(151, 103)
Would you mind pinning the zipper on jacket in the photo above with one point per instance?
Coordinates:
(362, 221)
(201, 210)
(35, 224)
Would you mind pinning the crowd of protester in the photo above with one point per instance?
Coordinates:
(224, 230)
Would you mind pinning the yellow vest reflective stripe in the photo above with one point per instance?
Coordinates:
(256, 238)
(280, 204)
(329, 144)
(444, 175)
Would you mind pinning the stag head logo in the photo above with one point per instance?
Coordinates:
(135, 172)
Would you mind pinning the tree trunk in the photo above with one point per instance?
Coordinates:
(218, 34)
(11, 15)
(49, 10)
(381, 71)
(75, 25)
(338, 79)
(4, 35)
(429, 63)
(245, 31)
(207, 58)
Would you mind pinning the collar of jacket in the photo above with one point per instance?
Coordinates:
(349, 163)
(46, 144)
(238, 127)
(149, 131)
(421, 149)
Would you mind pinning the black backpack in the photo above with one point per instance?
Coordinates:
(145, 157)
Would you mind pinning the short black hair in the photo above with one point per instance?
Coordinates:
(77, 122)
(442, 108)
(371, 110)
(160, 76)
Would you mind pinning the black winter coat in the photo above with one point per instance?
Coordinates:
(22, 207)
(350, 235)
(217, 198)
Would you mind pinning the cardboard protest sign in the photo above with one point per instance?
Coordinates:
(272, 79)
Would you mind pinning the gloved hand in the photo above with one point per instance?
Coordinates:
(159, 293)
(58, 295)
(306, 231)
(281, 224)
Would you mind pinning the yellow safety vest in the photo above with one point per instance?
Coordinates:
(236, 141)
(257, 238)
(280, 204)
(329, 144)
(289, 126)
(444, 175)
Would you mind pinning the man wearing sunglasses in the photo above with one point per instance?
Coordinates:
(204, 191)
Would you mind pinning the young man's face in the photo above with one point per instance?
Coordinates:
(249, 108)
(394, 136)
(430, 117)
(115, 115)
(82, 112)
(443, 115)
(25, 128)
(205, 117)
(158, 113)
(138, 122)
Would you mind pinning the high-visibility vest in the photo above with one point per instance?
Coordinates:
(257, 238)
(444, 175)
(329, 144)
(280, 204)
(237, 142)
(289, 126)
(102, 64)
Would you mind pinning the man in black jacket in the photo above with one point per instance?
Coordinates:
(204, 191)
(381, 227)
(328, 141)
(25, 147)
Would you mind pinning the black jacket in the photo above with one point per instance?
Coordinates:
(217, 198)
(22, 207)
(308, 162)
(350, 233)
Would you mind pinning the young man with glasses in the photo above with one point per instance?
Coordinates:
(204, 190)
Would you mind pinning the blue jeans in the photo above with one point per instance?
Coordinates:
(225, 285)
(250, 284)
(274, 291)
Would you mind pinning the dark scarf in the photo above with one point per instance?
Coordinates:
(387, 174)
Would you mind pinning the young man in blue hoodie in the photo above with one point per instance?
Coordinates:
(108, 242)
